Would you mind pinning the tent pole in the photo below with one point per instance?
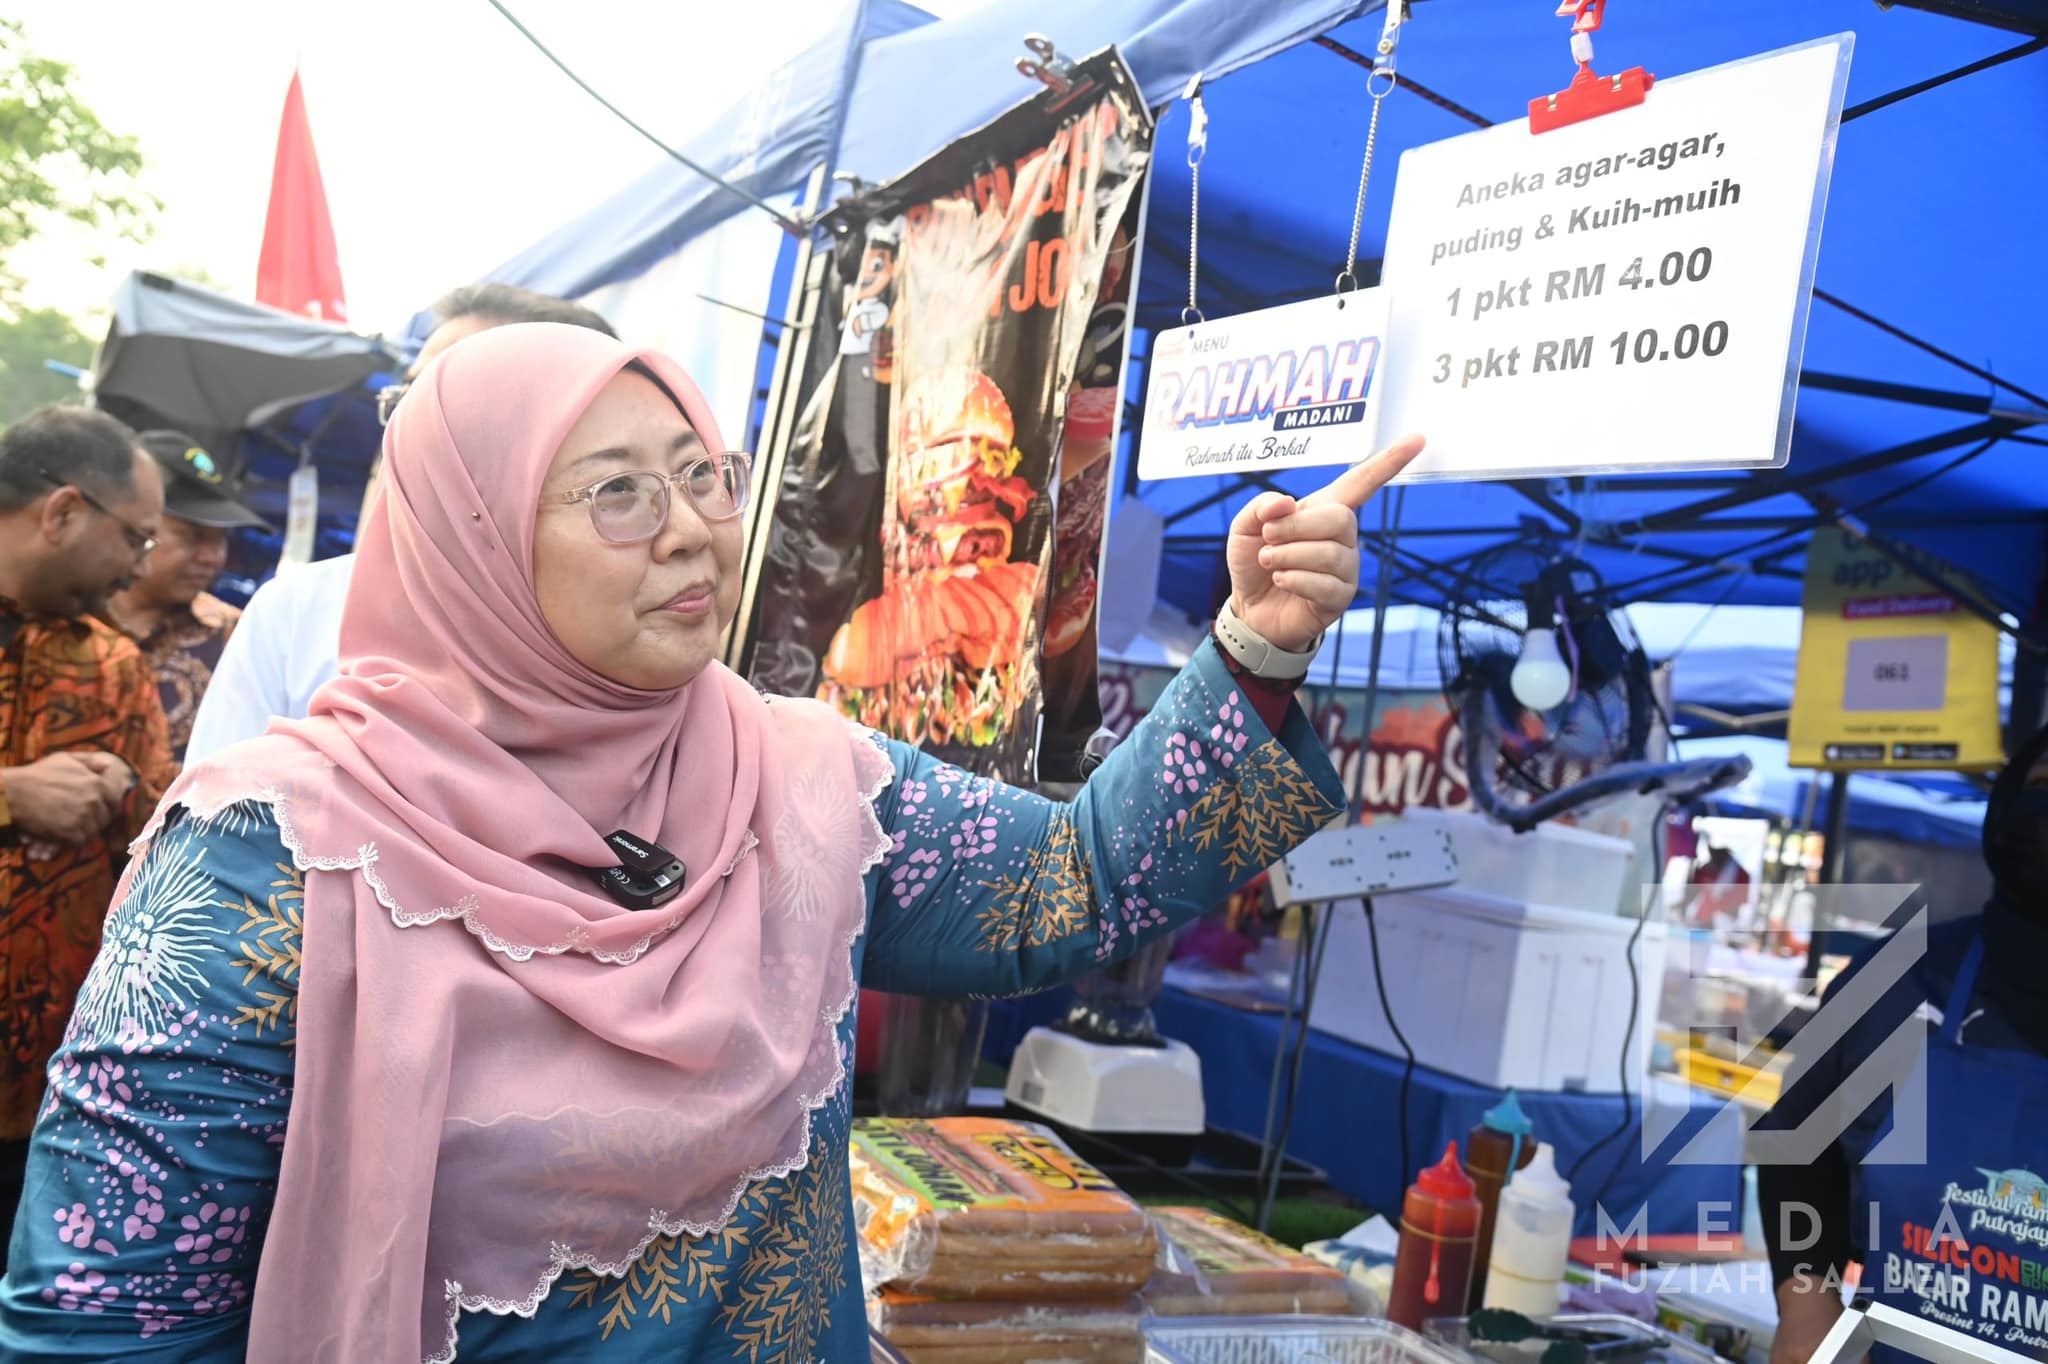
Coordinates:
(808, 279)
(1991, 428)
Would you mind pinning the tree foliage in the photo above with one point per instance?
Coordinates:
(58, 162)
(28, 338)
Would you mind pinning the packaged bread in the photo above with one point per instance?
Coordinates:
(984, 1208)
(939, 1331)
(1212, 1266)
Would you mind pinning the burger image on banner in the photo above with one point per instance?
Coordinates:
(935, 657)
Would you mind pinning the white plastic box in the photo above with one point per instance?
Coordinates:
(1553, 864)
(1502, 992)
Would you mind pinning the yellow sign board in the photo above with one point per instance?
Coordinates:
(1893, 671)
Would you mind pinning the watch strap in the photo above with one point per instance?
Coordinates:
(1258, 655)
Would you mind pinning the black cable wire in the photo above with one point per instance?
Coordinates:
(783, 220)
(1628, 1058)
(1379, 977)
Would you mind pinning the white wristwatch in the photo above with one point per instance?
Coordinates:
(1260, 656)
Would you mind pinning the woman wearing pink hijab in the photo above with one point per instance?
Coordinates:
(372, 1067)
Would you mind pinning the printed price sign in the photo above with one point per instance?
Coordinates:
(1893, 672)
(1629, 292)
(1276, 389)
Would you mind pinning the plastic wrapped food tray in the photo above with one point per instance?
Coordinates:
(940, 1331)
(1210, 1266)
(1288, 1340)
(985, 1208)
(1634, 1342)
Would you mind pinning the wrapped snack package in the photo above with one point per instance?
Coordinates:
(983, 1208)
(1212, 1266)
(1369, 1274)
(932, 1331)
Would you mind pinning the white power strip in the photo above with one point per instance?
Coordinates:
(1367, 859)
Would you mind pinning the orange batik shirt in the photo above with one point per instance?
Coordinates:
(65, 685)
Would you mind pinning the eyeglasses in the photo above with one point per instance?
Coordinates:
(138, 540)
(630, 507)
(387, 400)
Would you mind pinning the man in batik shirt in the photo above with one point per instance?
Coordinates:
(182, 627)
(83, 756)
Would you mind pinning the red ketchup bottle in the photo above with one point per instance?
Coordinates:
(1439, 1242)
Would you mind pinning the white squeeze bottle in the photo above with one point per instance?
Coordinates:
(1532, 1239)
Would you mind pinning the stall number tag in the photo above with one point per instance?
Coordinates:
(302, 516)
(1281, 388)
(1896, 674)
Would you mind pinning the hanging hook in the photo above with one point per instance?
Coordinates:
(1589, 95)
(1045, 64)
(1383, 55)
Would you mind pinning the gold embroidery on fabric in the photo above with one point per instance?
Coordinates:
(774, 1269)
(1052, 898)
(1266, 808)
(273, 953)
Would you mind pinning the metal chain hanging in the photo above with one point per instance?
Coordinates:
(1198, 148)
(1379, 85)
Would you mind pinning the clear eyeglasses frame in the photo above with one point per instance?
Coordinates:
(630, 507)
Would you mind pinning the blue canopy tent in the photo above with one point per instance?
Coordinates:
(1879, 414)
(1921, 404)
(683, 264)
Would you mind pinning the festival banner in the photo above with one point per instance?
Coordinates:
(911, 560)
(1073, 708)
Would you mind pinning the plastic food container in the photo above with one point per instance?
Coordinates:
(990, 1209)
(1288, 1340)
(1633, 1343)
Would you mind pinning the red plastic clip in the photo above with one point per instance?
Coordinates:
(1589, 95)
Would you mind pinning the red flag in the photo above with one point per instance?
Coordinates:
(300, 270)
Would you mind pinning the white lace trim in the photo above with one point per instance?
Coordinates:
(869, 751)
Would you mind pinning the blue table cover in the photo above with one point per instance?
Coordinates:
(1346, 1121)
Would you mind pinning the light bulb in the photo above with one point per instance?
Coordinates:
(1540, 680)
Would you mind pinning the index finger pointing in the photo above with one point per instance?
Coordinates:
(1358, 483)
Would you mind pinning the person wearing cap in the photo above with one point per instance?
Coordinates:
(182, 627)
(289, 643)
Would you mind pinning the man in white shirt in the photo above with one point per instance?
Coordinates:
(289, 641)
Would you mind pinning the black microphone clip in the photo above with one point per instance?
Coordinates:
(648, 875)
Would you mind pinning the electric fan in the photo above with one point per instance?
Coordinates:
(1555, 694)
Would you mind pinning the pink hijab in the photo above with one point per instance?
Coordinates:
(501, 1073)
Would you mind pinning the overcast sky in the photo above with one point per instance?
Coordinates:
(446, 142)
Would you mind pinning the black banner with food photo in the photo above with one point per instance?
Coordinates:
(969, 291)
